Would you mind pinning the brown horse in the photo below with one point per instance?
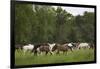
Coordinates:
(45, 49)
(92, 46)
(36, 46)
(61, 47)
(39, 48)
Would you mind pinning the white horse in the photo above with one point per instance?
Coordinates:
(83, 45)
(28, 47)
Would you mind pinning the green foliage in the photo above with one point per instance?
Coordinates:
(40, 23)
(85, 27)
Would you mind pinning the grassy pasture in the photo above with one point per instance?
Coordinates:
(75, 56)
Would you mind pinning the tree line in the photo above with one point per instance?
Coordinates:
(43, 23)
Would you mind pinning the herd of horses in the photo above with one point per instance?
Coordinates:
(51, 48)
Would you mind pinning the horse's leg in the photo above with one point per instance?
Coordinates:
(24, 52)
(46, 52)
(20, 51)
(51, 53)
(84, 47)
(31, 52)
(89, 47)
(64, 52)
(92, 47)
(35, 53)
(41, 52)
(57, 52)
(17, 50)
(79, 48)
(71, 49)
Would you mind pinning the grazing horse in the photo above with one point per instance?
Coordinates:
(35, 49)
(91, 45)
(83, 45)
(28, 47)
(39, 48)
(45, 49)
(59, 47)
(18, 47)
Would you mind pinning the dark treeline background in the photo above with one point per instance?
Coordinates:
(40, 23)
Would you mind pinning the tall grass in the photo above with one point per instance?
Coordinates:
(75, 56)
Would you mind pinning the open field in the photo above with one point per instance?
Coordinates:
(75, 56)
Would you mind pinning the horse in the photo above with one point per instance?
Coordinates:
(61, 47)
(91, 45)
(18, 47)
(83, 45)
(39, 48)
(45, 49)
(71, 45)
(35, 50)
(28, 47)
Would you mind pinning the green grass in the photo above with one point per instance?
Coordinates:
(76, 56)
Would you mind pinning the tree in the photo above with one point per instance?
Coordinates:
(40, 24)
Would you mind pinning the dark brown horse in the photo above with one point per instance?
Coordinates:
(38, 48)
(45, 49)
(91, 45)
(61, 47)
